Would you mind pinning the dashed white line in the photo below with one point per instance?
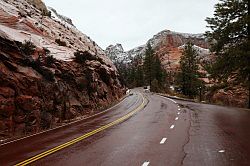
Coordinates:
(178, 113)
(221, 151)
(146, 163)
(172, 126)
(179, 109)
(163, 140)
(176, 118)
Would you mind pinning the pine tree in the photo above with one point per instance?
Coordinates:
(158, 71)
(230, 40)
(153, 70)
(131, 81)
(139, 76)
(155, 87)
(147, 65)
(188, 76)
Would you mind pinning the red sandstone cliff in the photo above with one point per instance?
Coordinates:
(37, 91)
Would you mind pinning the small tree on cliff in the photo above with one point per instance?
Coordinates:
(187, 78)
(231, 40)
(28, 48)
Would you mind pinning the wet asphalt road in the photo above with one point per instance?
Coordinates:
(159, 134)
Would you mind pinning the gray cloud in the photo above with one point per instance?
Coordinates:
(133, 22)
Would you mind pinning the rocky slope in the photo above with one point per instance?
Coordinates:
(47, 86)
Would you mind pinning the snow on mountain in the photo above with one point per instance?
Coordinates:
(20, 20)
(117, 54)
(137, 51)
(177, 39)
(201, 51)
(189, 35)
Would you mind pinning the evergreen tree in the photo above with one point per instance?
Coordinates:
(131, 81)
(158, 71)
(155, 87)
(188, 76)
(147, 65)
(139, 76)
(153, 70)
(230, 40)
(131, 74)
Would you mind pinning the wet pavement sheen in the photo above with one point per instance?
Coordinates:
(160, 134)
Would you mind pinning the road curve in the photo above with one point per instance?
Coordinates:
(17, 151)
(158, 132)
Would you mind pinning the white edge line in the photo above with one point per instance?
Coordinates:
(146, 163)
(172, 126)
(62, 125)
(163, 140)
(168, 98)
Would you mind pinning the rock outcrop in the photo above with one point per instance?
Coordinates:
(44, 85)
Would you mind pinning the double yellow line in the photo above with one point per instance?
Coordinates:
(62, 146)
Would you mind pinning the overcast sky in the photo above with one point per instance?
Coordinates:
(133, 22)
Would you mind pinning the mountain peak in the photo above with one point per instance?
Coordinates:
(117, 47)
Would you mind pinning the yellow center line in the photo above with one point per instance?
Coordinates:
(64, 145)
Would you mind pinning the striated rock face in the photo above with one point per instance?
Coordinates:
(169, 45)
(47, 87)
(20, 21)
